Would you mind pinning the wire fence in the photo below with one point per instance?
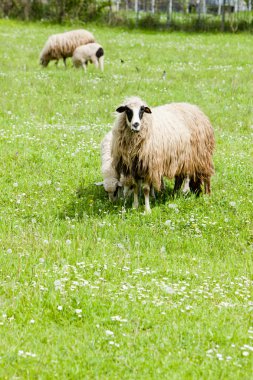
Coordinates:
(188, 6)
(222, 15)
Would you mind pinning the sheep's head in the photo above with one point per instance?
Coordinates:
(44, 60)
(112, 187)
(134, 113)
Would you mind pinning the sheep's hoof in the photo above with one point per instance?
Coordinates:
(186, 193)
(147, 211)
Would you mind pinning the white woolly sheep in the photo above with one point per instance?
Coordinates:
(174, 140)
(93, 53)
(111, 180)
(63, 45)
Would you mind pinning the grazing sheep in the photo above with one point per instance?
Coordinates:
(112, 181)
(93, 53)
(174, 140)
(63, 45)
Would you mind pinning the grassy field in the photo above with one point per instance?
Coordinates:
(92, 290)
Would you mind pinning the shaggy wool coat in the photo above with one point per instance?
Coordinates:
(176, 139)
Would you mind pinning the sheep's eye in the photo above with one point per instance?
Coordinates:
(141, 112)
(129, 114)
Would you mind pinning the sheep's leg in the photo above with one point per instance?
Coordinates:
(136, 200)
(101, 63)
(162, 184)
(146, 191)
(186, 187)
(95, 61)
(126, 191)
(64, 60)
(179, 179)
(152, 192)
(195, 185)
(84, 65)
(207, 183)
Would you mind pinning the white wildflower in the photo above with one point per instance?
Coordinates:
(172, 205)
(118, 318)
(109, 333)
(169, 290)
(248, 347)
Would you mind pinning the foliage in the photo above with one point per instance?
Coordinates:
(150, 21)
(94, 290)
(104, 12)
(54, 10)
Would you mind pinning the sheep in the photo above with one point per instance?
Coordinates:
(93, 53)
(174, 140)
(62, 45)
(111, 181)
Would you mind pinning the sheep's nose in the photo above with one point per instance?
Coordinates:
(136, 125)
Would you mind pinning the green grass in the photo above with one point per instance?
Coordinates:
(166, 295)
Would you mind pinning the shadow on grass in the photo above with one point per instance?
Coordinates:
(89, 200)
(92, 200)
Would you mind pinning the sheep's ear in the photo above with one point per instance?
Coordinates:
(121, 109)
(147, 110)
(99, 183)
(119, 184)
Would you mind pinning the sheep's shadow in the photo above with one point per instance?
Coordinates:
(92, 200)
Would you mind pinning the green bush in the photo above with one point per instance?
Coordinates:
(150, 21)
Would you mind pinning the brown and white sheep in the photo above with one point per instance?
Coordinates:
(63, 45)
(93, 53)
(174, 140)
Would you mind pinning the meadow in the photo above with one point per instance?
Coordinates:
(95, 290)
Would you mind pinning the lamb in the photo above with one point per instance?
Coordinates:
(93, 53)
(63, 45)
(174, 140)
(111, 180)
